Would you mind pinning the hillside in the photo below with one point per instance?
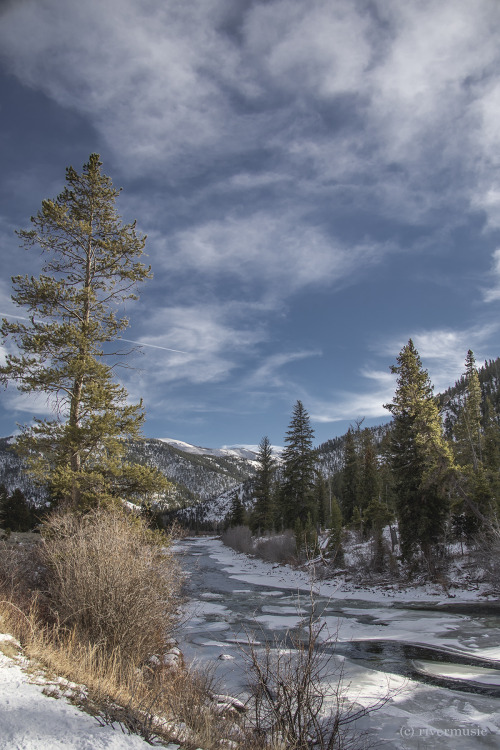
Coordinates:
(198, 474)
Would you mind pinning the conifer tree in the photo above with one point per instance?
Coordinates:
(15, 511)
(350, 477)
(321, 499)
(369, 480)
(468, 445)
(263, 512)
(421, 459)
(298, 468)
(91, 265)
(236, 511)
(467, 432)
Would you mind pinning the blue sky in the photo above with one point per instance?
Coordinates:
(319, 181)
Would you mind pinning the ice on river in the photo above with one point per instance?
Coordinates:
(273, 598)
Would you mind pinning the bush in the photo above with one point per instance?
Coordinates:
(277, 548)
(110, 579)
(238, 538)
(299, 700)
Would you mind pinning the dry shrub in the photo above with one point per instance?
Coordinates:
(111, 580)
(299, 697)
(238, 538)
(278, 548)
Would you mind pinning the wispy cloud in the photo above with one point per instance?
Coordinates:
(269, 374)
(281, 252)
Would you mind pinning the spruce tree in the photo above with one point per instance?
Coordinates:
(263, 512)
(369, 485)
(421, 459)
(468, 444)
(297, 491)
(66, 349)
(350, 477)
(15, 511)
(467, 432)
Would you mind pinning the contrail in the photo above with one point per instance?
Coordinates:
(129, 341)
(154, 346)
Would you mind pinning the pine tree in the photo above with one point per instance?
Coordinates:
(321, 499)
(467, 430)
(263, 512)
(15, 512)
(369, 488)
(65, 351)
(298, 468)
(350, 477)
(468, 444)
(236, 511)
(421, 459)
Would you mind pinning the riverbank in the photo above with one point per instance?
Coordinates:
(39, 713)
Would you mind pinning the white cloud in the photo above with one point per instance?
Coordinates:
(214, 338)
(281, 252)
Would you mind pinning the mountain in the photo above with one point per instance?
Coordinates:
(198, 474)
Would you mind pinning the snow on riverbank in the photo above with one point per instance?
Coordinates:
(31, 720)
(256, 571)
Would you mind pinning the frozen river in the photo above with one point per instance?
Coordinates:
(416, 642)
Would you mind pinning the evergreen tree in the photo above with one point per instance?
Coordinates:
(468, 444)
(65, 351)
(321, 499)
(467, 431)
(263, 512)
(298, 468)
(350, 477)
(421, 459)
(237, 511)
(15, 512)
(370, 479)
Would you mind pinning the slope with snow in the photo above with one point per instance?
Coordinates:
(31, 720)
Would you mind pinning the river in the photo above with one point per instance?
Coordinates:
(381, 638)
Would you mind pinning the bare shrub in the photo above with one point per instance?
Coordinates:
(110, 579)
(277, 548)
(299, 699)
(238, 538)
(485, 557)
(20, 573)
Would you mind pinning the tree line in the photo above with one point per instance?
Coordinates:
(433, 472)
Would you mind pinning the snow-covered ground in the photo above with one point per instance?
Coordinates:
(32, 720)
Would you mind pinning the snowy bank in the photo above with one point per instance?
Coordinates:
(32, 720)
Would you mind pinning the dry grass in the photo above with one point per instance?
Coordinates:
(92, 602)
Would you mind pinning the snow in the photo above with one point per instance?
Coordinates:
(234, 451)
(31, 720)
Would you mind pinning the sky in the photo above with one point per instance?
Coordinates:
(319, 181)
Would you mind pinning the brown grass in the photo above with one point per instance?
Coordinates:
(92, 602)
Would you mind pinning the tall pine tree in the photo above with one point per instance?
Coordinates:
(475, 491)
(91, 265)
(421, 459)
(297, 491)
(263, 512)
(350, 477)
